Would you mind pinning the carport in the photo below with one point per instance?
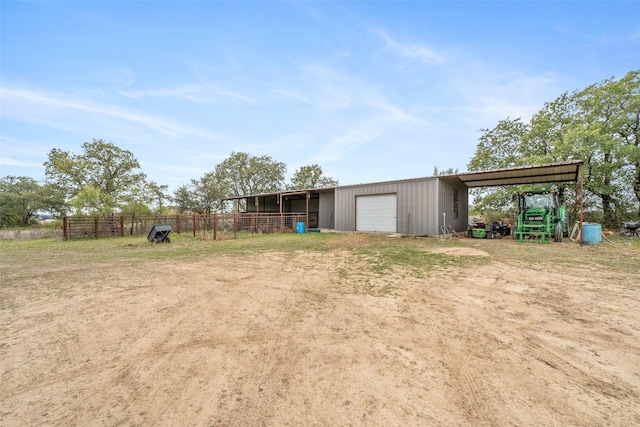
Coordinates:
(539, 174)
(420, 206)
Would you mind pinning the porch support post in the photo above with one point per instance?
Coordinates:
(307, 209)
(581, 205)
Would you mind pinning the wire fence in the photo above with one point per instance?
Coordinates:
(214, 227)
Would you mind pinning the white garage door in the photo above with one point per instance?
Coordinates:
(376, 213)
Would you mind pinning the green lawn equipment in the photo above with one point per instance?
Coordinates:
(540, 218)
(477, 229)
(496, 230)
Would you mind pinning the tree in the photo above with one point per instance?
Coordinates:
(599, 125)
(448, 171)
(98, 180)
(604, 133)
(545, 140)
(55, 201)
(20, 199)
(499, 147)
(184, 199)
(310, 176)
(243, 174)
(157, 195)
(625, 95)
(210, 192)
(202, 196)
(138, 200)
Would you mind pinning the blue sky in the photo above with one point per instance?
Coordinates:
(369, 90)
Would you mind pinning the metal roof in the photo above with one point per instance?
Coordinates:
(288, 193)
(553, 172)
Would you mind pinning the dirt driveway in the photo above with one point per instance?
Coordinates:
(319, 338)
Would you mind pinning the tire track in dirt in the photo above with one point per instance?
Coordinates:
(459, 345)
(217, 342)
(583, 377)
(453, 361)
(470, 392)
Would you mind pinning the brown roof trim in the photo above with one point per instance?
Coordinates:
(536, 174)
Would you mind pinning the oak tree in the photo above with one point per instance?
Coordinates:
(311, 176)
(98, 180)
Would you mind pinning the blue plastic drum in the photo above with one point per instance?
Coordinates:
(592, 233)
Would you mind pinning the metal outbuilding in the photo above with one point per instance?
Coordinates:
(420, 206)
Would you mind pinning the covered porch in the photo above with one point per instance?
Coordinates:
(314, 206)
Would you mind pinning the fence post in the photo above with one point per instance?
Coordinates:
(65, 228)
(96, 226)
(178, 224)
(194, 225)
(121, 225)
(215, 226)
(235, 226)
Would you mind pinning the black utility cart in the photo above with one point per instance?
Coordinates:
(159, 233)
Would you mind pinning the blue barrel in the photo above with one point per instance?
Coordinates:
(300, 227)
(592, 233)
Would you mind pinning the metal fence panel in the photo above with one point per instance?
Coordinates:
(216, 226)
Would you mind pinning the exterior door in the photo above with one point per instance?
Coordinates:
(377, 213)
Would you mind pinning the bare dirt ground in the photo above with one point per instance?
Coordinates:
(294, 339)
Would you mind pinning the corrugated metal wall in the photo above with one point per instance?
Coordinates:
(447, 187)
(417, 204)
(420, 204)
(326, 210)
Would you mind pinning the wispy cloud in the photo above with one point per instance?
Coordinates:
(18, 147)
(410, 52)
(113, 77)
(331, 88)
(492, 95)
(366, 124)
(353, 136)
(6, 161)
(395, 114)
(369, 125)
(189, 93)
(291, 95)
(54, 109)
(612, 38)
(205, 94)
(350, 111)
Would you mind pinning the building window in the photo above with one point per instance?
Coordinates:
(455, 204)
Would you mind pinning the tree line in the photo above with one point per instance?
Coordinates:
(599, 125)
(105, 178)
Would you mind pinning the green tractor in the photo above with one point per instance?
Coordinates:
(540, 218)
